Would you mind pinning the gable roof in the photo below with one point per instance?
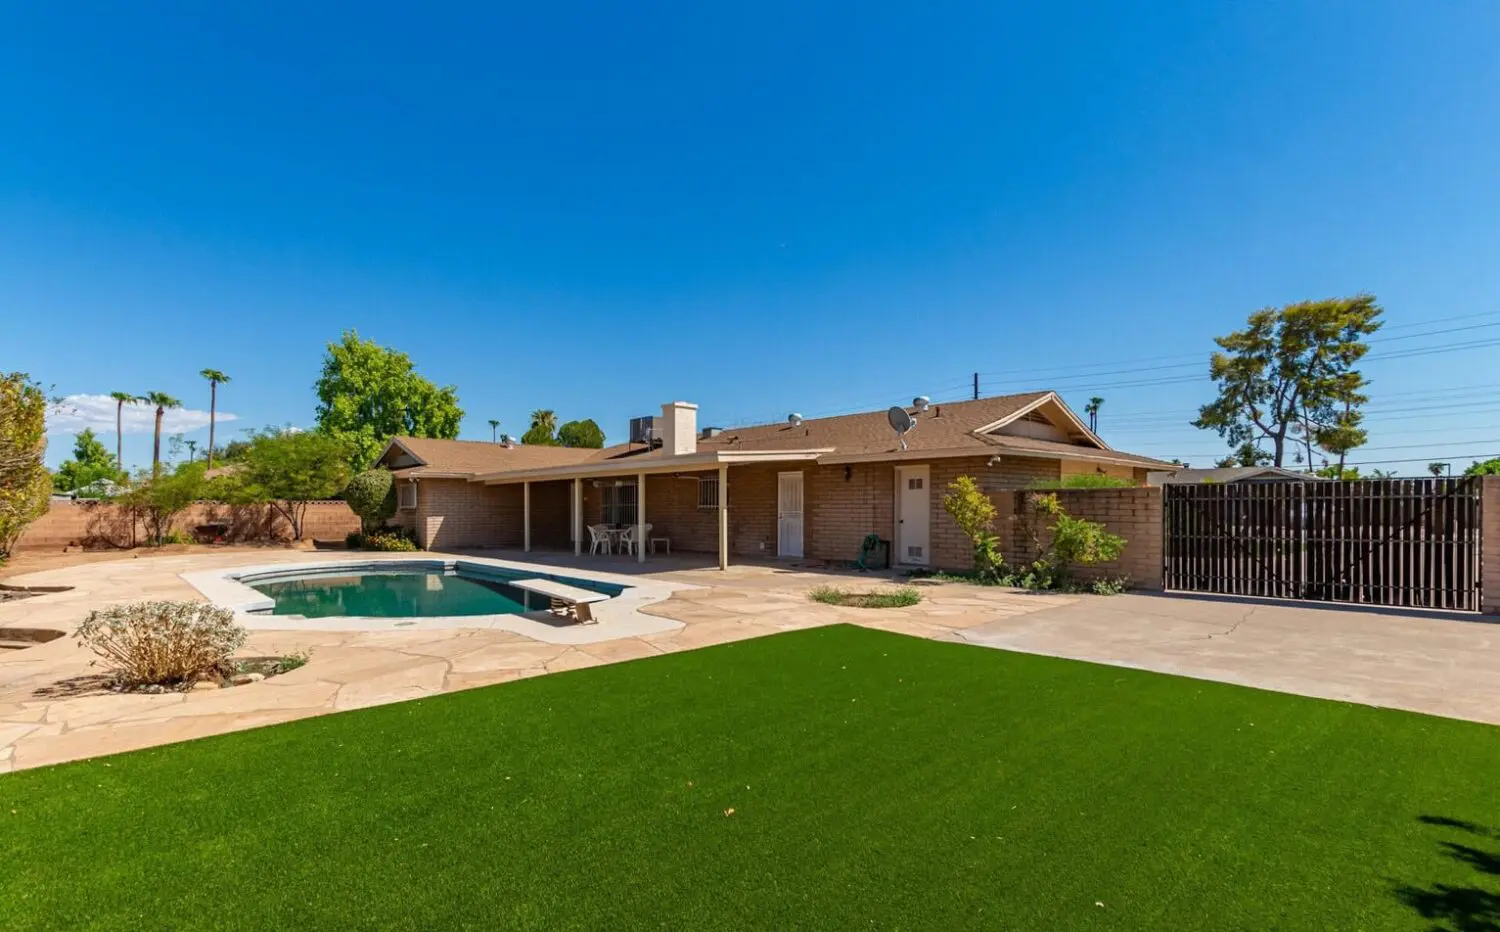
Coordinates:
(1227, 474)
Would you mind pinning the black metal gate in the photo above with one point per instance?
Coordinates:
(1406, 542)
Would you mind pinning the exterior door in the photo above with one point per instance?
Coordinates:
(789, 501)
(913, 515)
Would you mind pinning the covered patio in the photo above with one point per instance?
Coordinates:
(654, 507)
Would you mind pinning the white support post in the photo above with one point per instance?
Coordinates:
(526, 516)
(640, 517)
(723, 516)
(577, 517)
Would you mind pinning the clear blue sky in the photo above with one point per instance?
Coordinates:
(761, 208)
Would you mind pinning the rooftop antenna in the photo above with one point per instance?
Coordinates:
(921, 403)
(794, 419)
(901, 422)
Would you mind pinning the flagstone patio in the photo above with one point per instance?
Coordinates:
(53, 708)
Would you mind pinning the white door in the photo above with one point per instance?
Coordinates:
(789, 514)
(913, 515)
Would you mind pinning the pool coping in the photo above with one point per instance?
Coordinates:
(617, 617)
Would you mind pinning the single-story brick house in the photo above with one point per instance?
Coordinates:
(801, 489)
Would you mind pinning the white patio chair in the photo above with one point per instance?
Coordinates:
(599, 538)
(629, 542)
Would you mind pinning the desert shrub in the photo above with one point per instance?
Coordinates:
(372, 496)
(1072, 542)
(390, 541)
(1086, 480)
(904, 597)
(159, 500)
(1112, 585)
(974, 513)
(163, 643)
(25, 486)
(355, 540)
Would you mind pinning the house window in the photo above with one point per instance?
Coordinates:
(915, 484)
(708, 493)
(406, 495)
(619, 504)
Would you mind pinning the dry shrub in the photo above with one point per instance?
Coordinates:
(162, 642)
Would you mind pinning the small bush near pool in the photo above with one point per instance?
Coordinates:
(904, 597)
(162, 643)
(390, 541)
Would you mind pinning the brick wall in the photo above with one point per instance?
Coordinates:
(99, 524)
(459, 513)
(1134, 514)
(951, 550)
(1489, 565)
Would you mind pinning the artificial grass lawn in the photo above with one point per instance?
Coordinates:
(875, 782)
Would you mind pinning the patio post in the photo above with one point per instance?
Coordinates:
(526, 516)
(577, 517)
(640, 517)
(723, 516)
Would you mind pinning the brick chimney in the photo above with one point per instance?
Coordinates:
(678, 428)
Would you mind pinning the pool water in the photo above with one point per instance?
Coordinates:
(398, 595)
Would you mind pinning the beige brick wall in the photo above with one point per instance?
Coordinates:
(95, 524)
(1134, 514)
(458, 513)
(951, 550)
(1489, 531)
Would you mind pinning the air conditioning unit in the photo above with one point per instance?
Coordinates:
(643, 430)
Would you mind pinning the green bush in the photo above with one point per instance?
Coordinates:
(974, 513)
(390, 542)
(904, 597)
(1073, 542)
(1086, 480)
(372, 496)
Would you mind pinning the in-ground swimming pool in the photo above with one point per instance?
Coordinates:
(407, 593)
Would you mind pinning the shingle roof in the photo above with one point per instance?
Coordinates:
(471, 457)
(946, 427)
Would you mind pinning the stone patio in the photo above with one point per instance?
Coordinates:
(52, 708)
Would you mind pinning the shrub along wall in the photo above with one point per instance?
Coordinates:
(102, 525)
(1134, 514)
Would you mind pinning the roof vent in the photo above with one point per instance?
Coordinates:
(709, 433)
(794, 419)
(921, 403)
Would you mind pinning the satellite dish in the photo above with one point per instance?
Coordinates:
(901, 422)
(921, 403)
(794, 419)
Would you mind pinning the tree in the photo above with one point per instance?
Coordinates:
(160, 498)
(162, 401)
(543, 430)
(372, 496)
(215, 379)
(289, 469)
(1437, 469)
(974, 513)
(585, 434)
(91, 462)
(192, 448)
(1293, 366)
(24, 483)
(1092, 410)
(121, 400)
(494, 426)
(1489, 467)
(368, 394)
(1246, 454)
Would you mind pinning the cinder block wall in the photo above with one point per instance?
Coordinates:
(1489, 563)
(99, 524)
(1134, 514)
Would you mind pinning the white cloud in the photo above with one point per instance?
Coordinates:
(76, 412)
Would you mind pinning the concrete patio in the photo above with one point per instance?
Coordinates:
(53, 709)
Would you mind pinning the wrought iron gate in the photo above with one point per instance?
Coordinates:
(1406, 542)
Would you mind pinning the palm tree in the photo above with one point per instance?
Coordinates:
(215, 379)
(121, 400)
(494, 426)
(162, 401)
(1437, 469)
(192, 446)
(1092, 410)
(546, 420)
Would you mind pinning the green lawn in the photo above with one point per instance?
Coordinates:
(875, 782)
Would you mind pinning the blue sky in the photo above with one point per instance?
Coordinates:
(761, 208)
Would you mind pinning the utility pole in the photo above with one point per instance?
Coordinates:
(976, 386)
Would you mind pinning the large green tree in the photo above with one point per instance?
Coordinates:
(91, 462)
(543, 429)
(215, 379)
(289, 469)
(162, 401)
(1290, 377)
(24, 482)
(1490, 467)
(584, 433)
(368, 393)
